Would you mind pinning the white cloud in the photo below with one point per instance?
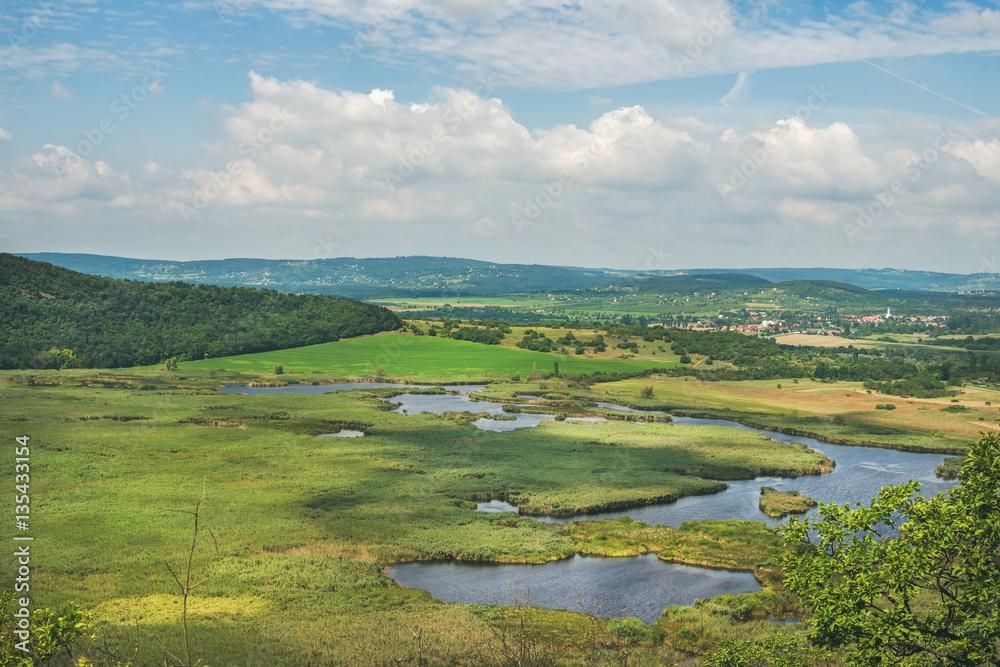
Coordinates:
(386, 176)
(735, 91)
(5, 135)
(984, 156)
(61, 93)
(555, 45)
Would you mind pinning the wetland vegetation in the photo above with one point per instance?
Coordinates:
(306, 526)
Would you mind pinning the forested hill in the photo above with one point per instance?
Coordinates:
(448, 277)
(418, 276)
(701, 282)
(114, 323)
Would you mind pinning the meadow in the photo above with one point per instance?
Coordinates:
(407, 356)
(304, 524)
(839, 412)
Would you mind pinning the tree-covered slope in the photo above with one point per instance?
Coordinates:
(710, 282)
(113, 323)
(444, 277)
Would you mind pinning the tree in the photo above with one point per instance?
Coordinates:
(907, 580)
(55, 357)
(186, 586)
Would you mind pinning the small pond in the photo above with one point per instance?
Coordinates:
(640, 586)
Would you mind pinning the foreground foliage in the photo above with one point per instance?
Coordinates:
(907, 580)
(47, 631)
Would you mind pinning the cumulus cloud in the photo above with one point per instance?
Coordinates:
(5, 135)
(984, 156)
(385, 176)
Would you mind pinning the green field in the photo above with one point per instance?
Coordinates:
(304, 524)
(402, 356)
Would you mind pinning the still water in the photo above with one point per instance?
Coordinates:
(640, 586)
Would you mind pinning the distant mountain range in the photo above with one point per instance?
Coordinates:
(448, 277)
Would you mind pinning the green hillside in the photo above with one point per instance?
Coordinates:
(114, 323)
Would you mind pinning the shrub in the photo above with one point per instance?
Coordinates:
(632, 630)
(687, 635)
(278, 369)
(646, 392)
(885, 406)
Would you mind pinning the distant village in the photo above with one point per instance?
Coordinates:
(759, 322)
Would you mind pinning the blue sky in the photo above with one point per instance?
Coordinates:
(630, 133)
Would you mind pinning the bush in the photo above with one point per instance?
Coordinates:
(885, 406)
(632, 630)
(687, 635)
(51, 631)
(278, 369)
(646, 392)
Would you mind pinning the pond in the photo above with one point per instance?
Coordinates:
(640, 586)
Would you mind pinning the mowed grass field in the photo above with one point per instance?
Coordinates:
(407, 356)
(921, 423)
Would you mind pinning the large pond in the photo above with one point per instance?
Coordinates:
(644, 585)
(640, 586)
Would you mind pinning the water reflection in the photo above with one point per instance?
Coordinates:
(640, 586)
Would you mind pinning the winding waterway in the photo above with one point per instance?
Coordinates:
(641, 586)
